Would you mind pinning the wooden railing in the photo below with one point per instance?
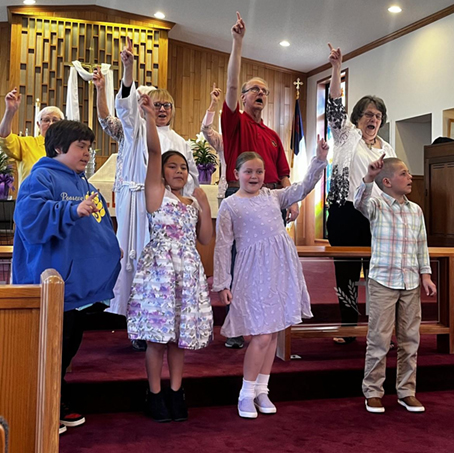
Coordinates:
(443, 327)
(30, 362)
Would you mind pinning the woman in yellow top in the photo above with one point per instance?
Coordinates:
(26, 150)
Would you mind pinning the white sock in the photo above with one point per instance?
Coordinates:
(261, 384)
(248, 390)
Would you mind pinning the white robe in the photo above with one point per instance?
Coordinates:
(131, 213)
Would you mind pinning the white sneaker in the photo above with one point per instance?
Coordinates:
(411, 404)
(246, 408)
(264, 405)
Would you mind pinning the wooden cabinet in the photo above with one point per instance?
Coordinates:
(439, 194)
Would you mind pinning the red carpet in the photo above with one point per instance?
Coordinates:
(316, 426)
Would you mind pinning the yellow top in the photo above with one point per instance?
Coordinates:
(26, 150)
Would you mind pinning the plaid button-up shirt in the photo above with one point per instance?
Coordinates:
(399, 242)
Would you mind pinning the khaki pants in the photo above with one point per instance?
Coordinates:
(389, 307)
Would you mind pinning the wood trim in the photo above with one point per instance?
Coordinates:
(75, 11)
(49, 362)
(388, 38)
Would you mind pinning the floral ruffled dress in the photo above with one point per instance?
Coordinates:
(169, 299)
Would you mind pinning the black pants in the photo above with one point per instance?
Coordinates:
(347, 227)
(73, 330)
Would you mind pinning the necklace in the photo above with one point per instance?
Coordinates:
(370, 145)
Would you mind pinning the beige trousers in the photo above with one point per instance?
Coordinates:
(389, 307)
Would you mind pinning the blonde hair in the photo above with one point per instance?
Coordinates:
(388, 170)
(246, 157)
(161, 95)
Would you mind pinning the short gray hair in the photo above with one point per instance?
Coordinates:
(50, 109)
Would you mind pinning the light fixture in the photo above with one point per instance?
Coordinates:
(395, 9)
(159, 15)
(284, 43)
(29, 2)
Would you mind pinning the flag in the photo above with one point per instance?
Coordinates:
(297, 129)
(298, 145)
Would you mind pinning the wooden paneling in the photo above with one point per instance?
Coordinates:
(417, 191)
(41, 61)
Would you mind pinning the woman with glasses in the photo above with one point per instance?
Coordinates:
(129, 130)
(25, 150)
(356, 145)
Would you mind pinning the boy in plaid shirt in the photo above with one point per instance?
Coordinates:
(399, 256)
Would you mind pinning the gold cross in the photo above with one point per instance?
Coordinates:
(298, 83)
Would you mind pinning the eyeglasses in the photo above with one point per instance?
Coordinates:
(370, 115)
(257, 90)
(48, 120)
(166, 105)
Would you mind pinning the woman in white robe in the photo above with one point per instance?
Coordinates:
(129, 130)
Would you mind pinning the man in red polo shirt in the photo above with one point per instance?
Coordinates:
(246, 132)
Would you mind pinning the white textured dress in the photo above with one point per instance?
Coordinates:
(268, 287)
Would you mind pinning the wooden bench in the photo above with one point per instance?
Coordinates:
(30, 362)
(443, 328)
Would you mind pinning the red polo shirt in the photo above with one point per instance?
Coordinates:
(241, 133)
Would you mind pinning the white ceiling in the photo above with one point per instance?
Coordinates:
(307, 24)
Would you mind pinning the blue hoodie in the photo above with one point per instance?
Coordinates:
(50, 234)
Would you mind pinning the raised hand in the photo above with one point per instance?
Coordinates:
(374, 169)
(215, 94)
(147, 106)
(322, 148)
(335, 56)
(87, 206)
(12, 100)
(127, 55)
(98, 79)
(239, 29)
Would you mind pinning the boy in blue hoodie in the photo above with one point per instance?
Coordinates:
(63, 223)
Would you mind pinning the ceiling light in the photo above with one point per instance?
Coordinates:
(29, 2)
(395, 9)
(284, 43)
(159, 15)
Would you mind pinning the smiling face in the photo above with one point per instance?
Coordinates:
(254, 94)
(250, 176)
(77, 156)
(175, 171)
(164, 106)
(370, 123)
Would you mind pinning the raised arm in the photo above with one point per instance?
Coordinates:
(335, 58)
(101, 98)
(213, 137)
(12, 101)
(127, 57)
(154, 187)
(234, 66)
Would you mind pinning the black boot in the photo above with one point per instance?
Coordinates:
(177, 405)
(156, 407)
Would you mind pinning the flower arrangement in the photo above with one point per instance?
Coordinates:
(204, 158)
(6, 176)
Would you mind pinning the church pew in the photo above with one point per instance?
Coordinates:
(30, 362)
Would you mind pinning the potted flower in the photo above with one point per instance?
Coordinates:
(6, 176)
(204, 158)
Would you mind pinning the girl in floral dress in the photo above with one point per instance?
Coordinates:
(267, 293)
(169, 306)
